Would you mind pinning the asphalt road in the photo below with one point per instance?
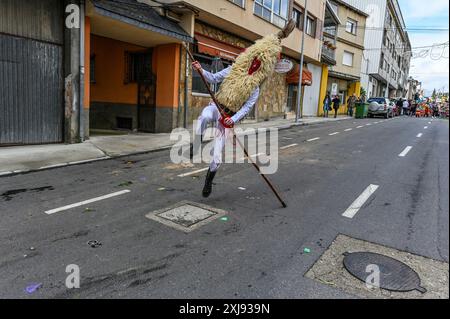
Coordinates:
(259, 251)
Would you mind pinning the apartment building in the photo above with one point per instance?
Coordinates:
(344, 77)
(387, 54)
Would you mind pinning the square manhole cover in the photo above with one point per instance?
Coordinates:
(186, 216)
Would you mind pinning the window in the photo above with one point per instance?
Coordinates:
(297, 15)
(138, 67)
(351, 26)
(311, 26)
(348, 58)
(92, 69)
(274, 11)
(240, 3)
(335, 7)
(209, 64)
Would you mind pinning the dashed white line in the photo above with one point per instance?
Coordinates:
(194, 172)
(361, 126)
(86, 202)
(348, 130)
(360, 201)
(335, 133)
(405, 151)
(420, 135)
(425, 128)
(368, 124)
(288, 146)
(313, 139)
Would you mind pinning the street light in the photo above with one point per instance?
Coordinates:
(299, 112)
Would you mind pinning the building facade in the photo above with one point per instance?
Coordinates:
(120, 65)
(387, 54)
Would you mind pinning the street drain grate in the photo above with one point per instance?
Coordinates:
(393, 274)
(186, 216)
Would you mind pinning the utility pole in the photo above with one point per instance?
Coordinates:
(299, 113)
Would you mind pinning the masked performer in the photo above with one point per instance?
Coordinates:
(238, 93)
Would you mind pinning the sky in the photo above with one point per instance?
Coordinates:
(431, 70)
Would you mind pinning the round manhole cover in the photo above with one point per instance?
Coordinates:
(394, 275)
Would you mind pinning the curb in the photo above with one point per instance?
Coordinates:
(162, 149)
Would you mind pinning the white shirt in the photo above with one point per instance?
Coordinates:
(247, 107)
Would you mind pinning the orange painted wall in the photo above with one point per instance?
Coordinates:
(167, 69)
(87, 63)
(109, 71)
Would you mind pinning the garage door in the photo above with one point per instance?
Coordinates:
(31, 72)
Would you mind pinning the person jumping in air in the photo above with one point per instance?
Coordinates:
(211, 114)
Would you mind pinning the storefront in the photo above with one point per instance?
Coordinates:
(133, 59)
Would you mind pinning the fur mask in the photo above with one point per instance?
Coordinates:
(251, 69)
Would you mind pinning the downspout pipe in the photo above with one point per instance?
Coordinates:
(82, 70)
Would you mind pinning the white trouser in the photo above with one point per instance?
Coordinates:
(210, 114)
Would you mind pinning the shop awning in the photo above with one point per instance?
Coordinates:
(217, 48)
(140, 15)
(294, 76)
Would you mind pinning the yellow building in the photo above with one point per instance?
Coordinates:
(344, 78)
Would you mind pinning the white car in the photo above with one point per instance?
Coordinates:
(380, 106)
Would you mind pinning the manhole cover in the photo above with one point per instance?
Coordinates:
(186, 216)
(394, 275)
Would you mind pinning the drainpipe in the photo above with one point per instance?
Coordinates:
(299, 113)
(186, 91)
(82, 71)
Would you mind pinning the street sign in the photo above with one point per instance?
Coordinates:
(284, 66)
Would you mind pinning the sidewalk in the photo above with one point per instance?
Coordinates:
(22, 159)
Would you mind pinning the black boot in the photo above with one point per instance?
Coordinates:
(207, 190)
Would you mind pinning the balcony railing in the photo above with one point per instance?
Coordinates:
(329, 48)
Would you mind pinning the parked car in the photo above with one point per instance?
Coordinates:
(380, 106)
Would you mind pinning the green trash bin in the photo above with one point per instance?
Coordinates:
(362, 110)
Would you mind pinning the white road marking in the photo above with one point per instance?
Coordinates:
(288, 146)
(368, 124)
(194, 172)
(348, 130)
(360, 201)
(405, 151)
(86, 202)
(429, 122)
(335, 133)
(313, 139)
(420, 135)
(426, 127)
(5, 173)
(361, 126)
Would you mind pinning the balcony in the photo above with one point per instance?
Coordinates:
(329, 50)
